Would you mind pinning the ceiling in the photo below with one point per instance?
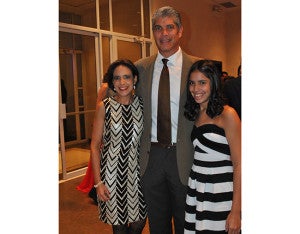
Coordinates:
(225, 4)
(81, 5)
(222, 3)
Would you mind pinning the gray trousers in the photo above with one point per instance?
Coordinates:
(165, 195)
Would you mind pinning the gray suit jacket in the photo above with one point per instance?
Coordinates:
(184, 147)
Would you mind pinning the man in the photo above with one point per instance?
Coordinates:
(224, 76)
(165, 168)
(232, 92)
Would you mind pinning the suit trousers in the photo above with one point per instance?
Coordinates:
(165, 195)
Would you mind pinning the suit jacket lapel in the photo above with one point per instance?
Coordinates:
(186, 64)
(150, 68)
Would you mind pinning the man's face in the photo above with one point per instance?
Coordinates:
(167, 36)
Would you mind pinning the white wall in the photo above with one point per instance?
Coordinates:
(208, 34)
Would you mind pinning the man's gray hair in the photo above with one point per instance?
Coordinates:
(167, 11)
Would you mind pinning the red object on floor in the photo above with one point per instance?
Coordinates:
(88, 180)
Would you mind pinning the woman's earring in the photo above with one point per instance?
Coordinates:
(134, 86)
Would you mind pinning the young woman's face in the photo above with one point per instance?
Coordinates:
(123, 81)
(199, 86)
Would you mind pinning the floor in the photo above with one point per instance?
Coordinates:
(78, 214)
(76, 158)
(76, 155)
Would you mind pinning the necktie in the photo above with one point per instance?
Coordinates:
(163, 107)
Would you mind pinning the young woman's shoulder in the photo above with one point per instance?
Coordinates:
(228, 111)
(229, 116)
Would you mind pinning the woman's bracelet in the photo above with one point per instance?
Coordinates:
(96, 185)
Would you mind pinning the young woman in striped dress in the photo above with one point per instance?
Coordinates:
(213, 202)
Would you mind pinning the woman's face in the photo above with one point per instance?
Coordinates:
(123, 81)
(199, 86)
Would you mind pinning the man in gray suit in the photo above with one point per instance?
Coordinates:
(165, 168)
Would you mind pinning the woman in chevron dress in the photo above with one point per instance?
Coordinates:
(213, 202)
(117, 129)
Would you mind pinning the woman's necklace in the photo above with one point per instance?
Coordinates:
(127, 100)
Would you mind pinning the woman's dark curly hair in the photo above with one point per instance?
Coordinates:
(109, 75)
(215, 103)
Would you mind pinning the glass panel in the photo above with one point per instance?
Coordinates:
(127, 17)
(70, 41)
(89, 78)
(79, 66)
(82, 126)
(129, 50)
(70, 128)
(105, 53)
(77, 42)
(79, 12)
(80, 97)
(104, 14)
(65, 40)
(78, 72)
(148, 49)
(89, 118)
(65, 17)
(67, 83)
(146, 18)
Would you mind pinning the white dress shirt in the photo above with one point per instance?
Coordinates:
(175, 67)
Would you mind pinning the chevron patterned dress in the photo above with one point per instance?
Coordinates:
(210, 186)
(120, 169)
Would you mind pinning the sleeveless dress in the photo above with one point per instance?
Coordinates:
(120, 169)
(210, 185)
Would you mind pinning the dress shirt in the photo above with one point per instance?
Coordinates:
(175, 67)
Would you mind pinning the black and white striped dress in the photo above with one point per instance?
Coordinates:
(210, 185)
(120, 169)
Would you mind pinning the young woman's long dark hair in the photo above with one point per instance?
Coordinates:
(215, 103)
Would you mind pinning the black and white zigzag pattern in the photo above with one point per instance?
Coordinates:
(119, 162)
(210, 186)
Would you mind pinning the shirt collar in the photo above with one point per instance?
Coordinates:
(172, 59)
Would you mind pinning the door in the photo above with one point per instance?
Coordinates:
(78, 89)
(92, 35)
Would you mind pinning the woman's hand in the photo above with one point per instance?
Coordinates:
(233, 223)
(103, 193)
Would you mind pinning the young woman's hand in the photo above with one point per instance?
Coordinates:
(233, 223)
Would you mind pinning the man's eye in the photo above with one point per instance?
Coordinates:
(170, 27)
(157, 28)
